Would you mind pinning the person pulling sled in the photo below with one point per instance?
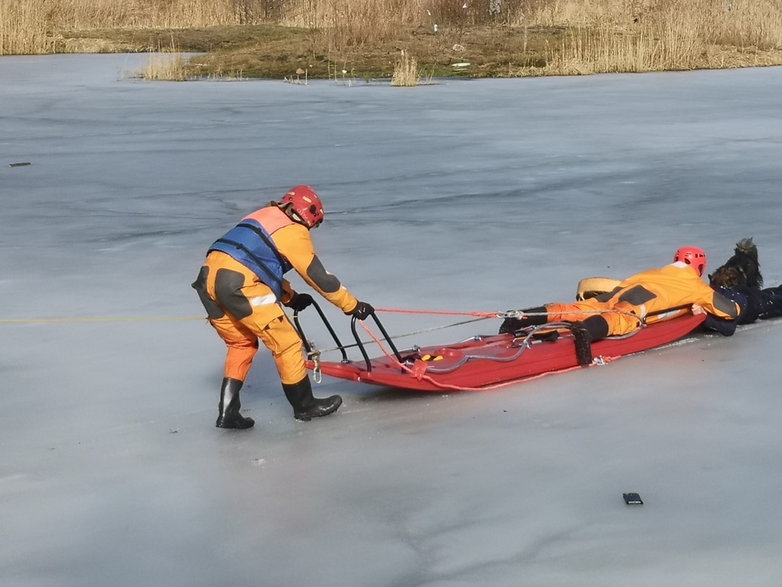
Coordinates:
(241, 285)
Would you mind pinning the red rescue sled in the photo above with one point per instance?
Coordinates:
(486, 362)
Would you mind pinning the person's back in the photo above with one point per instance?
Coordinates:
(669, 291)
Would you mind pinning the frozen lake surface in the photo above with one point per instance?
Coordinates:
(462, 196)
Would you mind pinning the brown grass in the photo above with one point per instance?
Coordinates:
(528, 37)
(405, 71)
(23, 28)
(164, 66)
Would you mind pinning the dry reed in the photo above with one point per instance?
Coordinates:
(603, 35)
(164, 67)
(23, 28)
(405, 71)
(655, 35)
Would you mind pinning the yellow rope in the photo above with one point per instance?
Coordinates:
(105, 319)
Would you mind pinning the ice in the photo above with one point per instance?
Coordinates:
(461, 196)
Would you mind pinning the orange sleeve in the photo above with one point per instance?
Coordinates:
(294, 243)
(718, 305)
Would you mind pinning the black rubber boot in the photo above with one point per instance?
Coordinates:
(514, 324)
(591, 329)
(305, 406)
(229, 416)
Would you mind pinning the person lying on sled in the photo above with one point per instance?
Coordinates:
(738, 279)
(647, 297)
(755, 303)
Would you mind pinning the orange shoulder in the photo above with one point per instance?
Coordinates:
(271, 218)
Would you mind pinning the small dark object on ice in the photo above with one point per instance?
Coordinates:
(632, 499)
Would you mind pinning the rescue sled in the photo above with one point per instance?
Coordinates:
(489, 361)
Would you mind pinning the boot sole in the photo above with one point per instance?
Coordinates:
(236, 426)
(308, 417)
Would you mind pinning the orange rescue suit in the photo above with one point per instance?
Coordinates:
(650, 296)
(243, 308)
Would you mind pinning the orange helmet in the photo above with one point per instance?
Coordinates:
(304, 205)
(692, 256)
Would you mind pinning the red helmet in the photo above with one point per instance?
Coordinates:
(304, 205)
(692, 256)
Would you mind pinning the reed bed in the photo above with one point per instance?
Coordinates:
(24, 28)
(599, 35)
(405, 71)
(164, 66)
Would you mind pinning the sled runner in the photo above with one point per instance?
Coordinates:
(489, 361)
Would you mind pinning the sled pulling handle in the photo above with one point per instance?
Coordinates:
(360, 344)
(305, 342)
(340, 346)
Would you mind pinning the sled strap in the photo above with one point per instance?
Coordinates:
(583, 344)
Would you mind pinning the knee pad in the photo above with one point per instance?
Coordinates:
(228, 286)
(213, 311)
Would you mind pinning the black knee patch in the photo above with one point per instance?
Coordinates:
(213, 311)
(637, 295)
(228, 286)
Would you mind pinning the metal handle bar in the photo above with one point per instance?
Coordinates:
(307, 346)
(360, 344)
(338, 342)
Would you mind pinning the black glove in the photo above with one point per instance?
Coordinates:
(362, 310)
(300, 301)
